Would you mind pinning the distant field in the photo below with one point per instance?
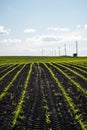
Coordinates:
(30, 59)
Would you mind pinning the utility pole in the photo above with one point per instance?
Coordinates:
(52, 51)
(59, 51)
(42, 51)
(65, 49)
(76, 48)
(55, 51)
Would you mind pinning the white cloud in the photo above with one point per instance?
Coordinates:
(63, 29)
(44, 38)
(3, 30)
(35, 38)
(67, 35)
(85, 26)
(72, 36)
(10, 41)
(29, 30)
(79, 26)
(85, 39)
(82, 26)
(51, 38)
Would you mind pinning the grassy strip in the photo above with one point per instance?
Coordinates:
(68, 99)
(75, 68)
(79, 65)
(10, 84)
(71, 80)
(7, 68)
(19, 106)
(9, 72)
(74, 72)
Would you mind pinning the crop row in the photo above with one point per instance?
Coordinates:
(43, 96)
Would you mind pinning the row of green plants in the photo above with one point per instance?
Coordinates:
(68, 99)
(79, 66)
(55, 102)
(6, 74)
(84, 64)
(45, 102)
(1, 66)
(76, 73)
(70, 78)
(78, 117)
(75, 68)
(21, 100)
(7, 68)
(3, 93)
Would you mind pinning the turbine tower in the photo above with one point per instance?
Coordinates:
(59, 51)
(65, 50)
(42, 51)
(76, 48)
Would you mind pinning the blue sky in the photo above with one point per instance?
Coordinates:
(27, 26)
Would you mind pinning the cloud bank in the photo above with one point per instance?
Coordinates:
(55, 37)
(3, 30)
(29, 30)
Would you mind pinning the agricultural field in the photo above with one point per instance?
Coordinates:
(40, 93)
